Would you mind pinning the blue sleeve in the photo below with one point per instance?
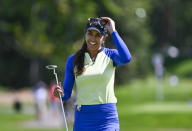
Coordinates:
(121, 55)
(69, 78)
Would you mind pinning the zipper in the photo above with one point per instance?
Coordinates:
(78, 107)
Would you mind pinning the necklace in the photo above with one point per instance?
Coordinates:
(93, 59)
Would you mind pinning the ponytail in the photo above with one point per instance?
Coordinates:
(79, 60)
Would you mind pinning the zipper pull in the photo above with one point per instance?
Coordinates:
(79, 107)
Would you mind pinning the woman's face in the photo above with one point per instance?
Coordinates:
(94, 40)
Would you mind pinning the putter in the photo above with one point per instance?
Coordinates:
(53, 67)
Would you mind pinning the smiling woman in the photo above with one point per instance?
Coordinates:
(94, 40)
(92, 70)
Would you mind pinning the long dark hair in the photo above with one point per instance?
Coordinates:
(79, 59)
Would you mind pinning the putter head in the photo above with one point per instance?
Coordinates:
(51, 67)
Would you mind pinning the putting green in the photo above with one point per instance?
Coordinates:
(161, 108)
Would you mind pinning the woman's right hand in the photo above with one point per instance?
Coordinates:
(58, 91)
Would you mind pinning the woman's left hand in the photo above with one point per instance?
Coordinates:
(110, 24)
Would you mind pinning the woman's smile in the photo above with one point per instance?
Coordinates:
(92, 43)
(93, 46)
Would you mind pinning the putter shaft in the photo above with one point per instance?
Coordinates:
(53, 67)
(63, 112)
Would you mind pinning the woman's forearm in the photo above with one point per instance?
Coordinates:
(122, 49)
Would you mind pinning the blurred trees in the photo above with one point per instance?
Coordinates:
(35, 33)
(173, 18)
(172, 28)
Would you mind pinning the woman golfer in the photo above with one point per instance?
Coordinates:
(91, 70)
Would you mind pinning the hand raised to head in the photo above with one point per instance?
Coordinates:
(110, 24)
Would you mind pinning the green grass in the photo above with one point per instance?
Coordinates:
(140, 111)
(137, 106)
(14, 122)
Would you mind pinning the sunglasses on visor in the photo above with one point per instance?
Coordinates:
(97, 21)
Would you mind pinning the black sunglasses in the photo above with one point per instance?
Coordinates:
(97, 21)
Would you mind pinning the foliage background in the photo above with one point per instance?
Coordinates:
(35, 33)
